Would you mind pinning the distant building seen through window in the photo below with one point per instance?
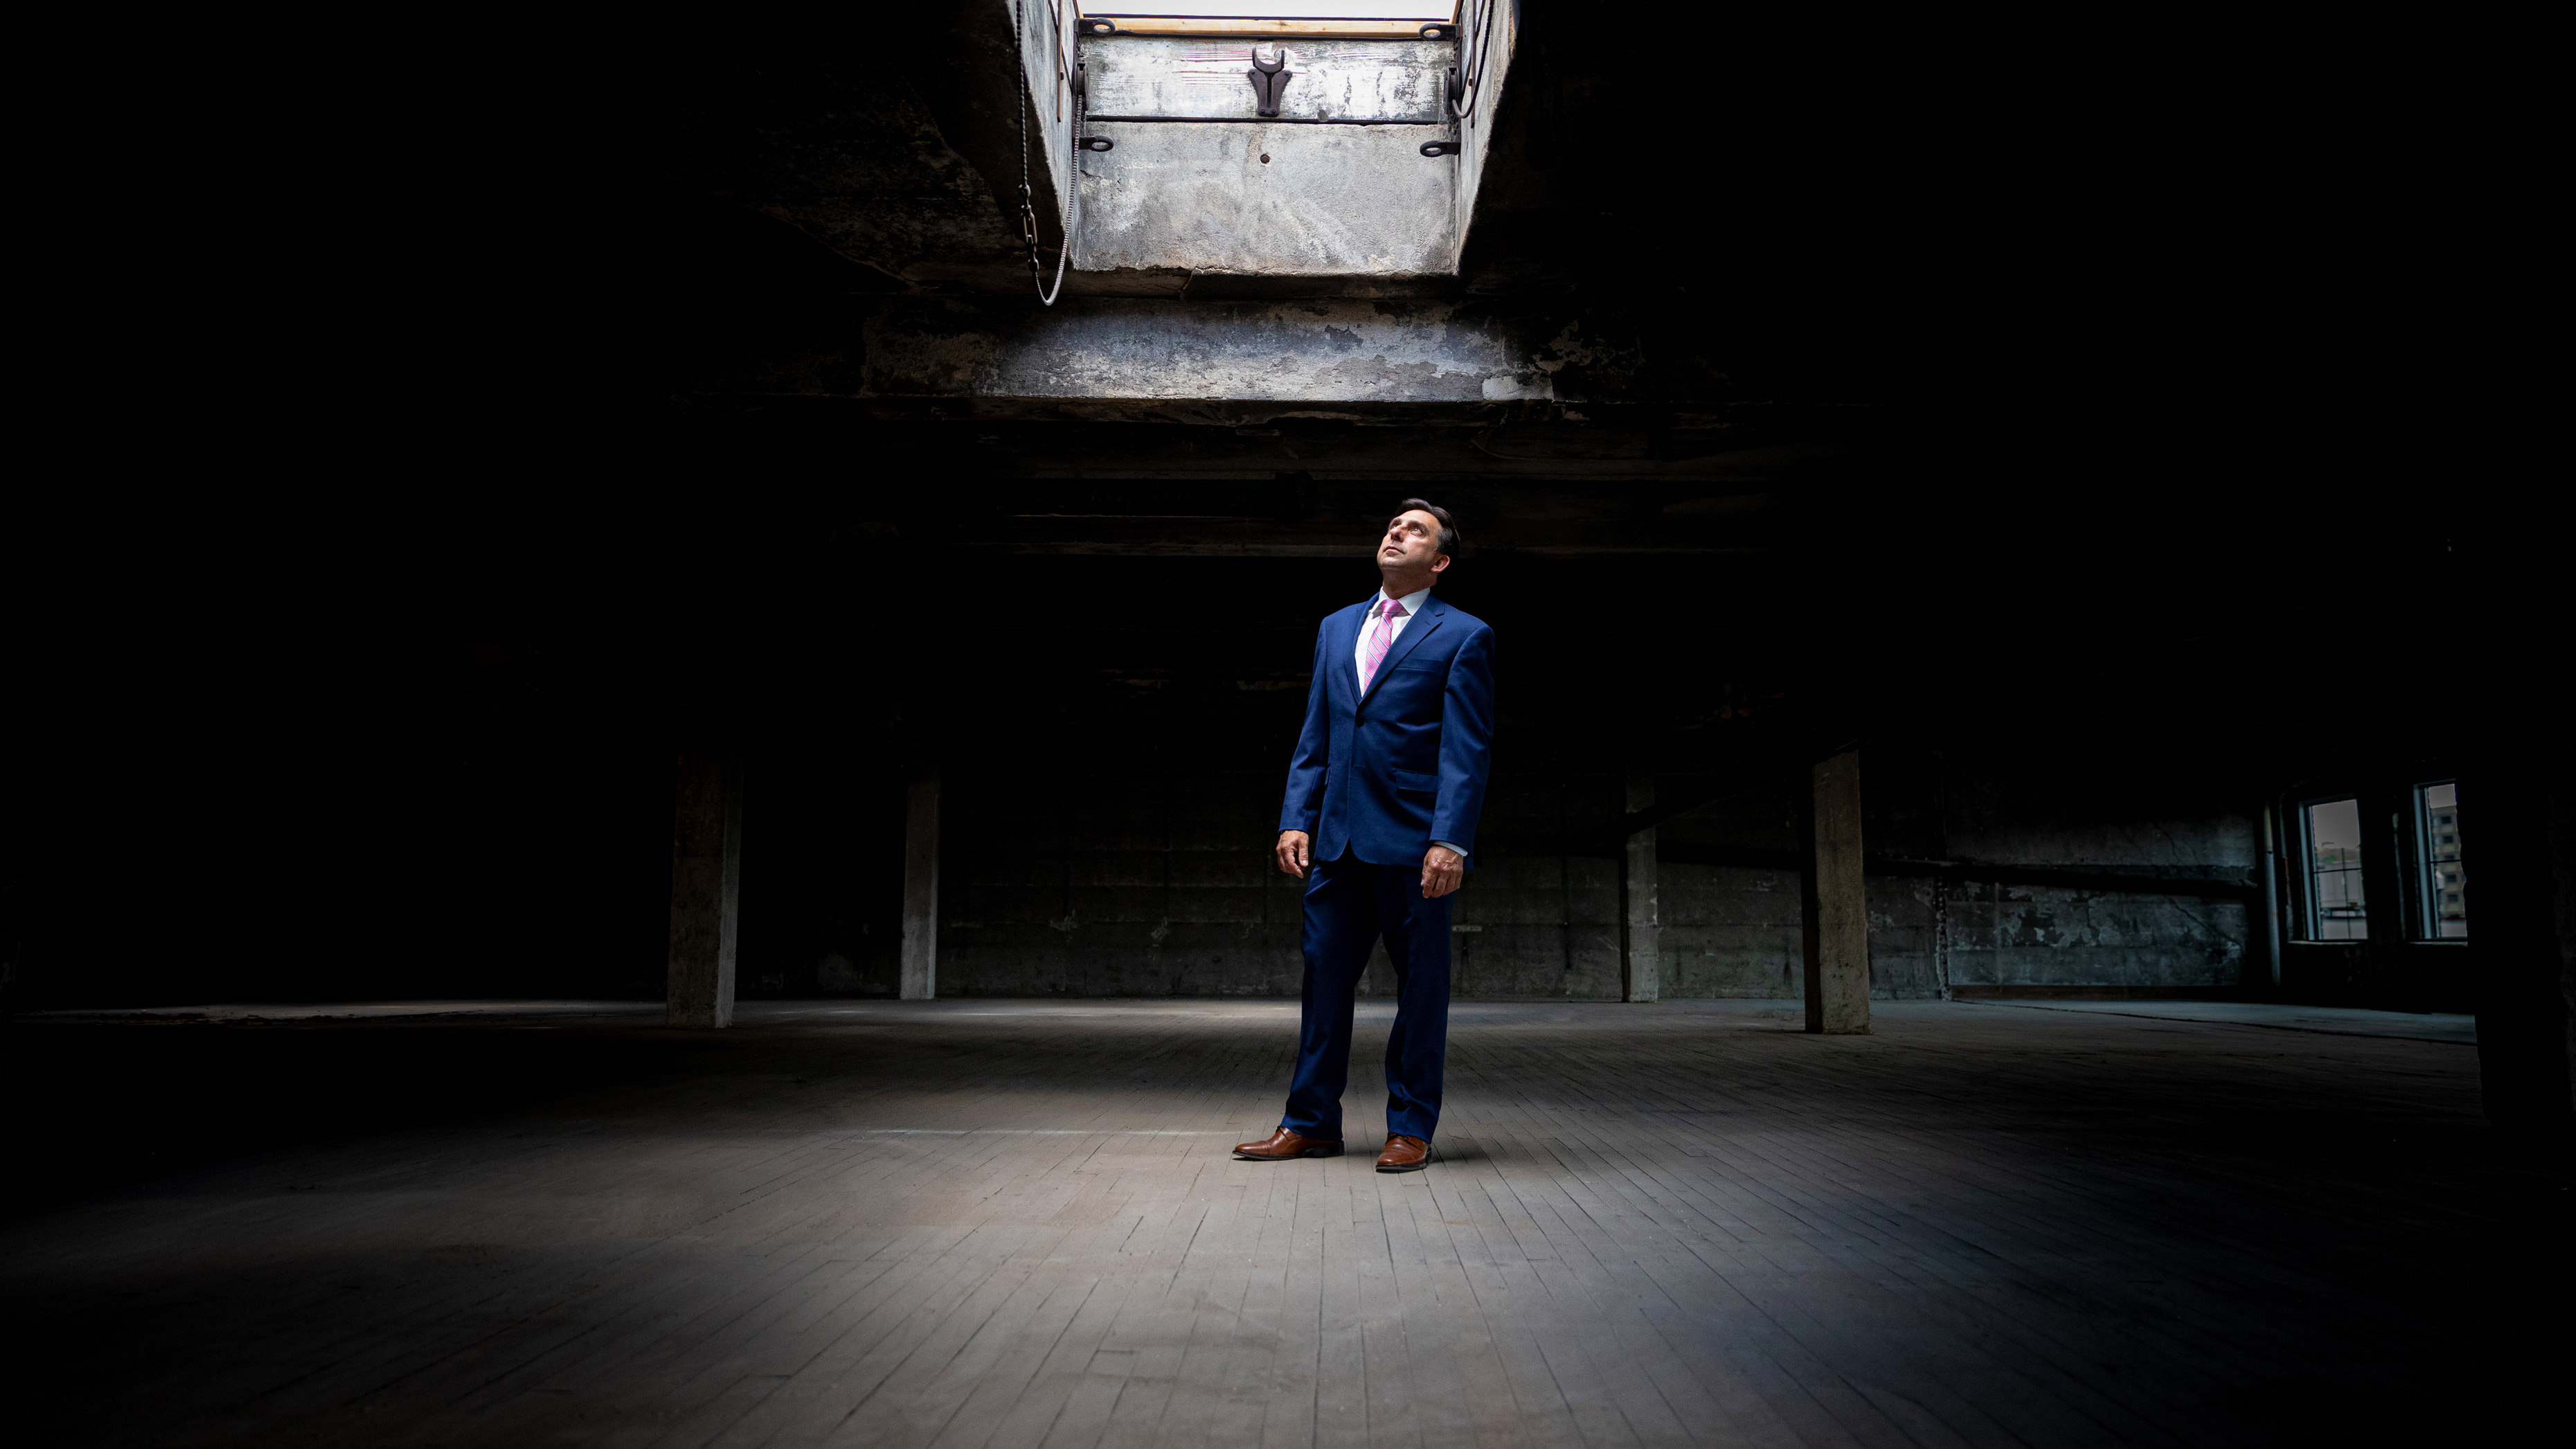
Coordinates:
(2336, 909)
(2437, 824)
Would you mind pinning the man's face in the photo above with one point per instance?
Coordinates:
(1412, 544)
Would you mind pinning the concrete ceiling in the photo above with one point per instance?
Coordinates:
(1674, 276)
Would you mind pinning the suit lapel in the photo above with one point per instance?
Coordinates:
(1346, 645)
(1433, 611)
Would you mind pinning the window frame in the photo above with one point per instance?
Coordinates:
(2306, 915)
(2425, 928)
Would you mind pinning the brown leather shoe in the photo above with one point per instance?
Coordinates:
(1284, 1144)
(1404, 1154)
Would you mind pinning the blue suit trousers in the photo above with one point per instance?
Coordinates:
(1350, 905)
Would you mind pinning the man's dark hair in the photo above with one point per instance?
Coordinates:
(1448, 526)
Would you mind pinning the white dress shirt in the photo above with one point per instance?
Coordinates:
(1412, 603)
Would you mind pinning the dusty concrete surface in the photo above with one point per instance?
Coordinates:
(1330, 200)
(1317, 352)
(921, 888)
(1641, 923)
(706, 889)
(1336, 186)
(1838, 974)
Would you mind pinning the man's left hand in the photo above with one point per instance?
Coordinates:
(1443, 871)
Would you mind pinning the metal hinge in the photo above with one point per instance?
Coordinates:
(1081, 82)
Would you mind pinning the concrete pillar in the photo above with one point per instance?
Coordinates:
(1640, 920)
(2263, 967)
(1836, 900)
(921, 888)
(706, 889)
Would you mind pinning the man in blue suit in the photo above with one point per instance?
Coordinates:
(1383, 795)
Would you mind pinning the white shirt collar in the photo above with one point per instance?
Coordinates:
(1412, 602)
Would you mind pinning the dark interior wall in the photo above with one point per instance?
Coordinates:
(1126, 883)
(2096, 450)
(2004, 935)
(1159, 883)
(452, 776)
(2169, 805)
(822, 885)
(2151, 804)
(1155, 883)
(1110, 796)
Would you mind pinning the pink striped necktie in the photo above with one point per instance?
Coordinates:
(1380, 637)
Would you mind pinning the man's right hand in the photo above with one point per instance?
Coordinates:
(1292, 853)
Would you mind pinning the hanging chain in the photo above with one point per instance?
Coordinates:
(1028, 198)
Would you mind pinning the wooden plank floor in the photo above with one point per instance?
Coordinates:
(1017, 1224)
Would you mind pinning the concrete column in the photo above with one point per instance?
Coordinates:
(1837, 900)
(706, 889)
(1640, 920)
(921, 888)
(2263, 967)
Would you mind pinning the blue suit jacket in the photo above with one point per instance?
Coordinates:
(1386, 773)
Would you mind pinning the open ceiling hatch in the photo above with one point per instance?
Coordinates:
(1272, 139)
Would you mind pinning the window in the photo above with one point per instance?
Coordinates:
(2437, 836)
(2336, 908)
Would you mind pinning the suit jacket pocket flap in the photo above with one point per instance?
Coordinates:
(1416, 780)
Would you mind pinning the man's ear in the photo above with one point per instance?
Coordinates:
(1440, 563)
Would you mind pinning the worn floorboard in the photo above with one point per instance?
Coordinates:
(994, 1225)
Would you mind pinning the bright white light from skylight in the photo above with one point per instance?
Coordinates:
(1424, 10)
